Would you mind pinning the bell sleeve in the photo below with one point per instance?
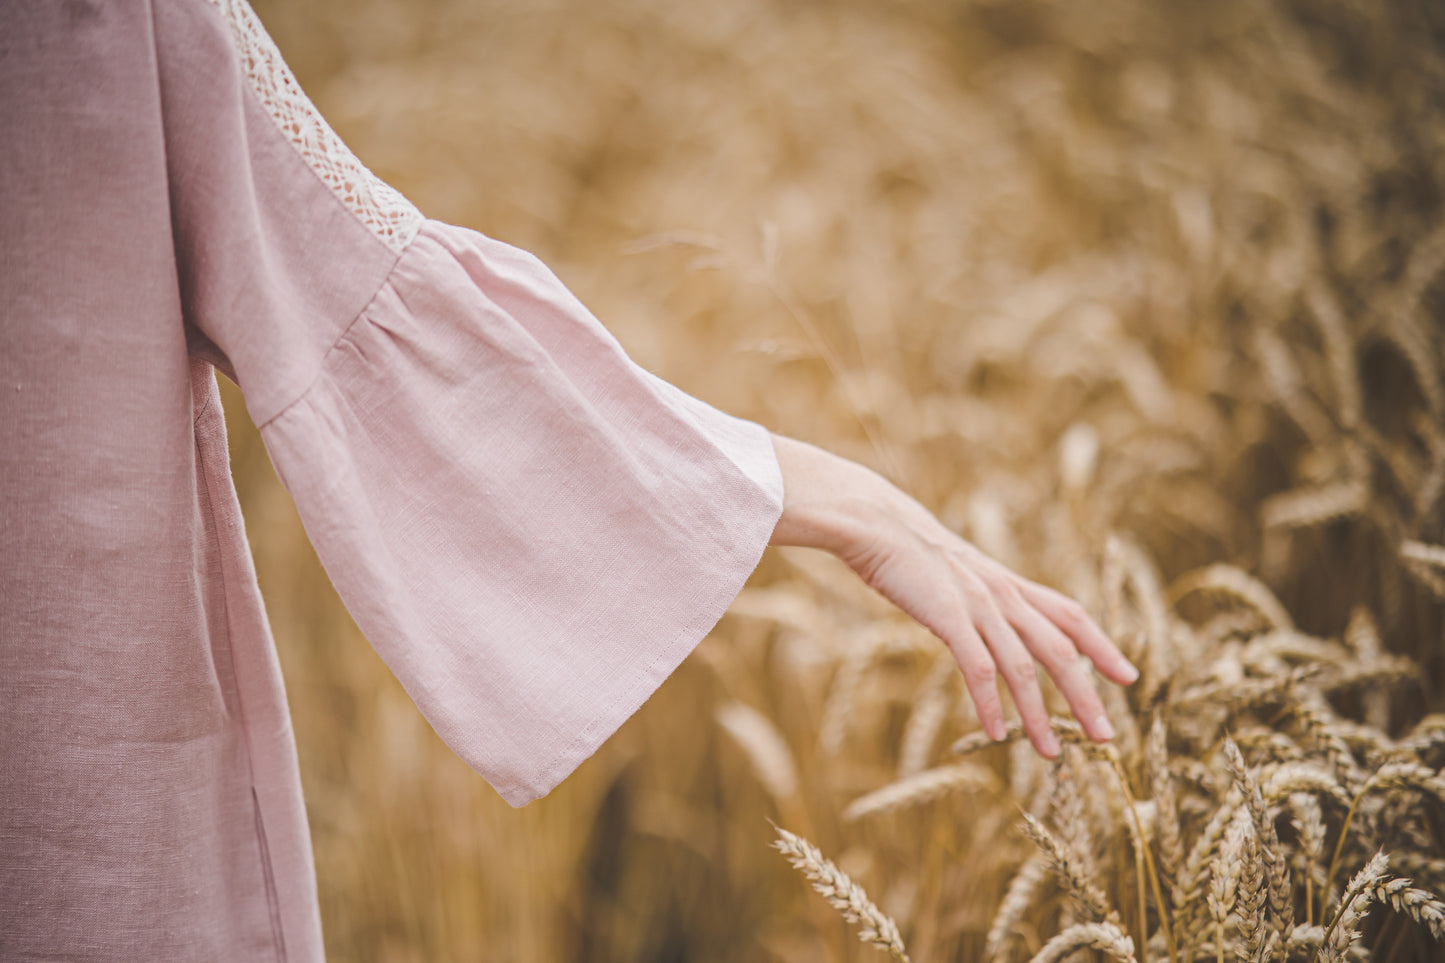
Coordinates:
(530, 529)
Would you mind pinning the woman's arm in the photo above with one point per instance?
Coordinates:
(995, 622)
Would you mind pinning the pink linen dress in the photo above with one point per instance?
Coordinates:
(530, 529)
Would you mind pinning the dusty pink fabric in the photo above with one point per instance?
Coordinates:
(531, 530)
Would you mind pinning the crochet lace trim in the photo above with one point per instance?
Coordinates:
(382, 208)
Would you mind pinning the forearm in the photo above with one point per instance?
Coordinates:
(834, 504)
(821, 503)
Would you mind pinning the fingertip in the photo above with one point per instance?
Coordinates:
(1118, 670)
(1042, 737)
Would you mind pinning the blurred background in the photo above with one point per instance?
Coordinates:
(1153, 269)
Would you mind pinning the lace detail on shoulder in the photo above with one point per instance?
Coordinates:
(381, 207)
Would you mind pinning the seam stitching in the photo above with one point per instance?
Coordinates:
(384, 210)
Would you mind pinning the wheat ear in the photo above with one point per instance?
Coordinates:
(1309, 825)
(1320, 725)
(1390, 778)
(1093, 936)
(928, 715)
(1420, 867)
(1190, 879)
(1016, 900)
(838, 708)
(922, 788)
(1224, 885)
(1076, 881)
(1344, 929)
(764, 746)
(1281, 904)
(1161, 788)
(844, 895)
(1251, 899)
(1420, 905)
(1229, 580)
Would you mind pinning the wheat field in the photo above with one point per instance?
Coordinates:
(1142, 298)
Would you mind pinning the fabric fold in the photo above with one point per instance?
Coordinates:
(532, 530)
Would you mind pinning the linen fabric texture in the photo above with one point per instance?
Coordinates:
(530, 529)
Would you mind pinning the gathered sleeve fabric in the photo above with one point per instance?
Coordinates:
(531, 530)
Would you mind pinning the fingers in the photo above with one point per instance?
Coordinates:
(996, 623)
(1015, 663)
(929, 590)
(1057, 653)
(997, 627)
(1071, 618)
(1021, 622)
(980, 675)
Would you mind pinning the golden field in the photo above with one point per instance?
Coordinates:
(1142, 298)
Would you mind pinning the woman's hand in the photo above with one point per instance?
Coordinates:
(995, 622)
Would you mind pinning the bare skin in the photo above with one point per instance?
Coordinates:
(996, 623)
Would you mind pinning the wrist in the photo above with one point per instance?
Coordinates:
(829, 503)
